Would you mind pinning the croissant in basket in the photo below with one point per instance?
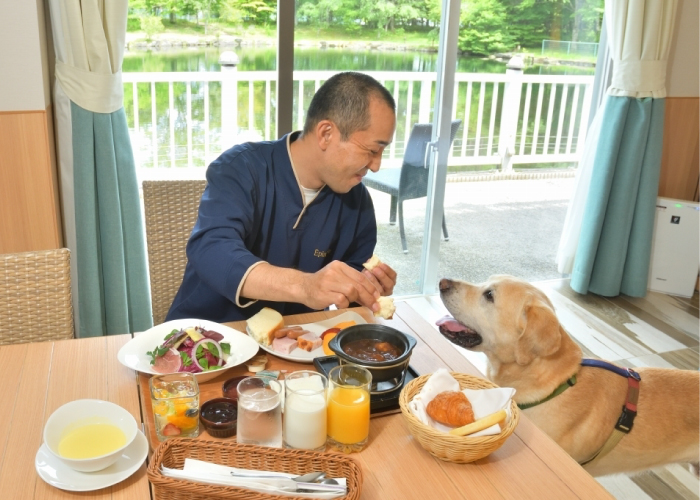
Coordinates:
(451, 408)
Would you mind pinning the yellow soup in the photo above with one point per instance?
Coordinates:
(93, 440)
(348, 415)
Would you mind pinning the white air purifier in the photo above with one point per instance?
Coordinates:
(675, 251)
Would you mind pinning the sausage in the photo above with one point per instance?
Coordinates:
(285, 331)
(295, 334)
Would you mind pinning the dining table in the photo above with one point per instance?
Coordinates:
(40, 377)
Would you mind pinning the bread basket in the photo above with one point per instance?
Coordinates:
(459, 449)
(172, 453)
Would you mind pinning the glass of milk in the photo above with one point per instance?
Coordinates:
(305, 410)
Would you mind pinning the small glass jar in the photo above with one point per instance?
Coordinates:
(175, 400)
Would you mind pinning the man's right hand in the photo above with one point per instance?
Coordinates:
(339, 284)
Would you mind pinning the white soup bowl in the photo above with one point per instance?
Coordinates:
(84, 412)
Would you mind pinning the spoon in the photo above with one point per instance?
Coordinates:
(306, 478)
(309, 478)
(329, 480)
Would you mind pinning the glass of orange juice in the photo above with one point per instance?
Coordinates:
(348, 407)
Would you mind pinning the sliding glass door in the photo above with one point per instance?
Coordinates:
(402, 47)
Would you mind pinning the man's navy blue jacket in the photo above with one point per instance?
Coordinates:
(252, 211)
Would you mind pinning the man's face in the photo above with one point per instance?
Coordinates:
(350, 160)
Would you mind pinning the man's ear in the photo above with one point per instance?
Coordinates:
(540, 332)
(324, 131)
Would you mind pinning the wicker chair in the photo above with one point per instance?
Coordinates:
(35, 297)
(171, 211)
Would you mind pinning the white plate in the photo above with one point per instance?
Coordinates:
(303, 356)
(133, 353)
(56, 473)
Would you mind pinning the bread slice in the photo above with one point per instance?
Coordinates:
(386, 307)
(372, 262)
(262, 325)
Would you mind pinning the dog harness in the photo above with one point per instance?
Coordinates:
(629, 409)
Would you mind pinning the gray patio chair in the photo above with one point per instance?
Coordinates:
(411, 180)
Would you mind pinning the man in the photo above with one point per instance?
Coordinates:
(287, 224)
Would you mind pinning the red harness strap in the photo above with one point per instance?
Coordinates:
(629, 410)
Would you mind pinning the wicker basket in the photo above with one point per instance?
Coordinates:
(459, 449)
(172, 454)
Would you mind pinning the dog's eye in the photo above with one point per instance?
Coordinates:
(488, 294)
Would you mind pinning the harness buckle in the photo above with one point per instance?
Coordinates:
(626, 420)
(634, 375)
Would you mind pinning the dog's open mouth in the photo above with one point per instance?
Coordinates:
(457, 333)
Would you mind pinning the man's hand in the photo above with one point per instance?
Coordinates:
(339, 284)
(382, 277)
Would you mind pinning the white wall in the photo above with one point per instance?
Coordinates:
(684, 64)
(24, 81)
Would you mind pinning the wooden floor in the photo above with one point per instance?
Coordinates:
(658, 330)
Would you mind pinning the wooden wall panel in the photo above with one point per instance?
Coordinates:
(29, 215)
(680, 158)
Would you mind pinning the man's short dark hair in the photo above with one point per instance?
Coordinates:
(344, 99)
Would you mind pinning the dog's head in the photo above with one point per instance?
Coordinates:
(507, 318)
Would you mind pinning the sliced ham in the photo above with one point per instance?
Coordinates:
(284, 345)
(309, 342)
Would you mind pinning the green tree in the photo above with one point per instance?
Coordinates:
(257, 11)
(151, 25)
(230, 12)
(383, 14)
(484, 27)
(324, 12)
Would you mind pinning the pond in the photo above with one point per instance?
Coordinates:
(263, 59)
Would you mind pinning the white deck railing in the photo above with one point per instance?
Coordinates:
(513, 118)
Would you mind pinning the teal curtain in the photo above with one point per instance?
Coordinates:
(112, 271)
(614, 247)
(607, 238)
(100, 203)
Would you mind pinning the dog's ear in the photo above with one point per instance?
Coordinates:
(540, 332)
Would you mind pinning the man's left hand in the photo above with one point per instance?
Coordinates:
(383, 277)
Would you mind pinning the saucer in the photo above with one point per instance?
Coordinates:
(56, 473)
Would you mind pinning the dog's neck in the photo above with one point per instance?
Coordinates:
(539, 378)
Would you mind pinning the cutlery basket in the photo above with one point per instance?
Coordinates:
(172, 454)
(459, 449)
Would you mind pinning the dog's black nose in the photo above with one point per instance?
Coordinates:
(445, 284)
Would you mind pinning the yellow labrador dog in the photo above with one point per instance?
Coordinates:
(514, 324)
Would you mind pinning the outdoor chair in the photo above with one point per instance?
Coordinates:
(411, 180)
(171, 211)
(35, 297)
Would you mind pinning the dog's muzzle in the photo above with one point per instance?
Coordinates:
(457, 333)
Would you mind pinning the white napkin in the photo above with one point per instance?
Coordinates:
(209, 473)
(484, 401)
